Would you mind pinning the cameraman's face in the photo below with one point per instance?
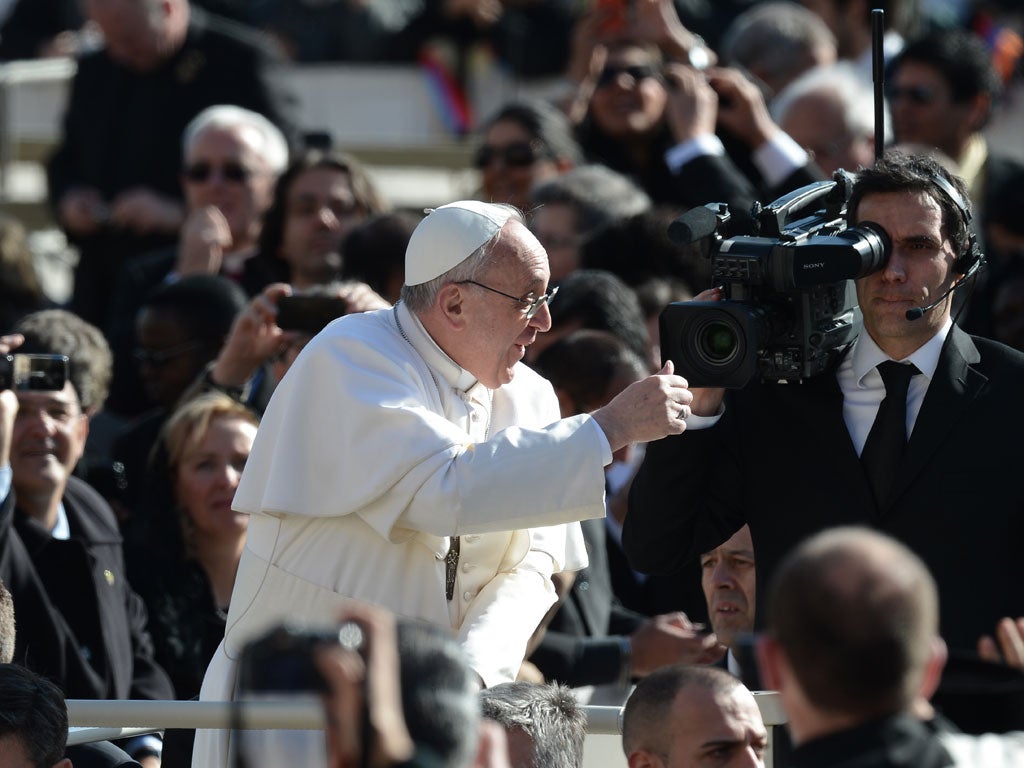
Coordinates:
(918, 271)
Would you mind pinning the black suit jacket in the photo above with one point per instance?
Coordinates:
(900, 741)
(782, 460)
(78, 621)
(581, 645)
(123, 129)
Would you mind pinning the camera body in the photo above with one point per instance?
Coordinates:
(23, 372)
(309, 314)
(789, 305)
(282, 659)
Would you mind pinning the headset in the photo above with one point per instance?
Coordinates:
(968, 262)
(972, 258)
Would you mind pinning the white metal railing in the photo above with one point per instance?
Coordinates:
(102, 720)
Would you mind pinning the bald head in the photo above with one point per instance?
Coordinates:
(678, 715)
(855, 613)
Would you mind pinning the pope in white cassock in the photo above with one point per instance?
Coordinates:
(409, 459)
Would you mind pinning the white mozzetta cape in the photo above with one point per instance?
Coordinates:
(373, 451)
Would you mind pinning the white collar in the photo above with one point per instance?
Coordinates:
(437, 359)
(867, 355)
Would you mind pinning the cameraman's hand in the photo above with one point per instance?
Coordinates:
(671, 639)
(367, 684)
(1008, 645)
(8, 402)
(707, 401)
(646, 410)
(254, 339)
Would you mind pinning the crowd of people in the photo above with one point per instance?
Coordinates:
(493, 463)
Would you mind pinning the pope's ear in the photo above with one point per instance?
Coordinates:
(450, 302)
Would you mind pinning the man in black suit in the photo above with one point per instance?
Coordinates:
(854, 653)
(115, 179)
(78, 621)
(785, 458)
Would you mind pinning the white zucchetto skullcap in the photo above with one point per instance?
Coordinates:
(449, 235)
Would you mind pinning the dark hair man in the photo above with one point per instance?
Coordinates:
(115, 179)
(689, 717)
(79, 622)
(33, 720)
(792, 460)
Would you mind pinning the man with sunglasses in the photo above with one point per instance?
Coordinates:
(941, 91)
(115, 181)
(78, 621)
(409, 458)
(231, 158)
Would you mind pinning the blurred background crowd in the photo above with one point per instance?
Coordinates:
(193, 204)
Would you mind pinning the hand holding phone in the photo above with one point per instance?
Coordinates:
(22, 372)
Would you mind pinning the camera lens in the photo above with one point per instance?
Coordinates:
(717, 342)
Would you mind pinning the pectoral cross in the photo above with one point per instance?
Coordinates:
(451, 566)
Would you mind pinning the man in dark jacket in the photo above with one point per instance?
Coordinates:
(115, 179)
(78, 621)
(791, 460)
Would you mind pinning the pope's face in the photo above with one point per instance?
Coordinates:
(918, 271)
(498, 331)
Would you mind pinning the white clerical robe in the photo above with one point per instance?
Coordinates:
(374, 450)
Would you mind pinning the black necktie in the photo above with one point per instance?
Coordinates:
(888, 437)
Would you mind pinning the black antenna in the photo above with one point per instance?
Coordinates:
(878, 77)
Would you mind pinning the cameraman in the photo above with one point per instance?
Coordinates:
(787, 459)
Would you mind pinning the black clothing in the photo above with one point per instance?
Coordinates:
(123, 130)
(137, 278)
(99, 754)
(33, 23)
(704, 179)
(659, 592)
(895, 742)
(781, 459)
(582, 644)
(184, 622)
(79, 622)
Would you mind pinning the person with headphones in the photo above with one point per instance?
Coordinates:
(915, 431)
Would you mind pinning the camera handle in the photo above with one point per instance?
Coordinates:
(774, 217)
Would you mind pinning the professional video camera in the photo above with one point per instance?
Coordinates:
(789, 302)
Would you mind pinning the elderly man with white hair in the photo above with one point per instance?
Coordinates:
(409, 459)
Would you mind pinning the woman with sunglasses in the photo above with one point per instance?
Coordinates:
(648, 106)
(523, 144)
